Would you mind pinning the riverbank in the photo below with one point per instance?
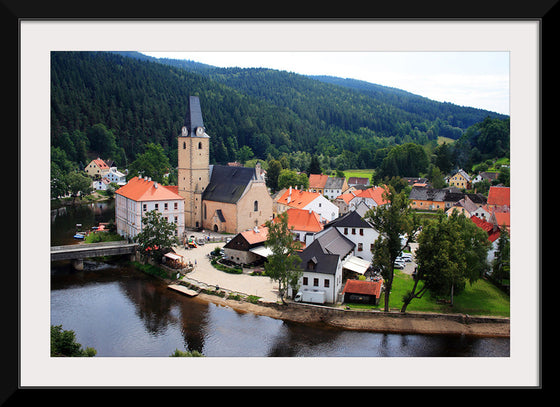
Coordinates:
(373, 321)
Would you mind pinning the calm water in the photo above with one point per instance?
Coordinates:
(123, 312)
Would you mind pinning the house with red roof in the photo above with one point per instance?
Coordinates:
(360, 291)
(97, 167)
(300, 199)
(317, 183)
(498, 199)
(247, 247)
(493, 231)
(303, 222)
(141, 195)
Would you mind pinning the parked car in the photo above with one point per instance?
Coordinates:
(399, 264)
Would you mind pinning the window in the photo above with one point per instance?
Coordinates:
(327, 283)
(200, 145)
(184, 145)
(305, 281)
(311, 265)
(175, 205)
(360, 247)
(315, 282)
(361, 232)
(353, 231)
(256, 206)
(345, 231)
(144, 207)
(156, 206)
(165, 206)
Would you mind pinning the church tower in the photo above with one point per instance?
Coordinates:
(193, 159)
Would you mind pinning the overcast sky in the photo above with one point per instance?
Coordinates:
(477, 79)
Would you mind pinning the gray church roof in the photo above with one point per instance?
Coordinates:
(193, 118)
(227, 184)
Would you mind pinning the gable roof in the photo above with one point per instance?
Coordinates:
(334, 183)
(140, 189)
(317, 180)
(358, 181)
(363, 287)
(102, 165)
(227, 184)
(304, 220)
(492, 231)
(193, 117)
(349, 220)
(297, 198)
(326, 251)
(375, 193)
(498, 196)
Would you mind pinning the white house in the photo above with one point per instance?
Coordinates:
(141, 195)
(299, 199)
(322, 263)
(115, 176)
(371, 197)
(360, 232)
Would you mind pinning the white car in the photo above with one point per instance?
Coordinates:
(399, 264)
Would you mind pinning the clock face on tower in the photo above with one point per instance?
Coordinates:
(199, 131)
(184, 131)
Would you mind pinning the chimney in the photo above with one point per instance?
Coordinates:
(155, 184)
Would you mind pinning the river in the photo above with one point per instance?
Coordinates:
(121, 311)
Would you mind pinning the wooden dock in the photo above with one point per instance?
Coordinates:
(183, 290)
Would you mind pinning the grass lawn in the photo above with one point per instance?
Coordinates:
(366, 173)
(482, 298)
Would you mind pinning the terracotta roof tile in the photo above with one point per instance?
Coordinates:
(363, 287)
(140, 189)
(304, 220)
(498, 196)
(298, 198)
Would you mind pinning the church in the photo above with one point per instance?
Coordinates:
(218, 198)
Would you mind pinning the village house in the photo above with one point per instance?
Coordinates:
(302, 223)
(220, 198)
(356, 229)
(114, 175)
(488, 176)
(97, 167)
(334, 187)
(359, 291)
(247, 247)
(498, 199)
(299, 199)
(141, 195)
(358, 182)
(433, 198)
(322, 264)
(317, 183)
(460, 179)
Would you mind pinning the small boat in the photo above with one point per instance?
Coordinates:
(79, 236)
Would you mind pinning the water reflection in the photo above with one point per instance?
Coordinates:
(123, 312)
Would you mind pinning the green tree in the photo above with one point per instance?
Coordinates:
(78, 184)
(157, 235)
(451, 252)
(102, 140)
(500, 265)
(244, 154)
(272, 173)
(152, 163)
(289, 178)
(283, 264)
(397, 225)
(314, 166)
(63, 343)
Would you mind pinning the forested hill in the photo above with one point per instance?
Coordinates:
(141, 100)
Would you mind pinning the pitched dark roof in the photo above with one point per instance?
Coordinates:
(193, 118)
(326, 251)
(227, 184)
(349, 220)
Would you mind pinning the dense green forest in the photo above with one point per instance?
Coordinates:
(115, 105)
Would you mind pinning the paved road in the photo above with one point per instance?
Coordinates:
(260, 286)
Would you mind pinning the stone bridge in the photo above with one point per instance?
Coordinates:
(78, 252)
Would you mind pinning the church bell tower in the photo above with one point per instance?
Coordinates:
(194, 160)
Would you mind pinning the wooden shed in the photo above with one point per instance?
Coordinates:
(359, 291)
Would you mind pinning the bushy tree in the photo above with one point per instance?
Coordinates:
(451, 252)
(283, 264)
(63, 343)
(157, 235)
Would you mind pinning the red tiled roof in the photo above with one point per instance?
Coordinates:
(363, 287)
(493, 233)
(304, 220)
(101, 164)
(498, 196)
(140, 189)
(375, 193)
(298, 198)
(253, 237)
(317, 180)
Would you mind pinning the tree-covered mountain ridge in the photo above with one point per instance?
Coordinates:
(140, 100)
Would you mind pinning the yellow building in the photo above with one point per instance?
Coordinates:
(97, 167)
(460, 180)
